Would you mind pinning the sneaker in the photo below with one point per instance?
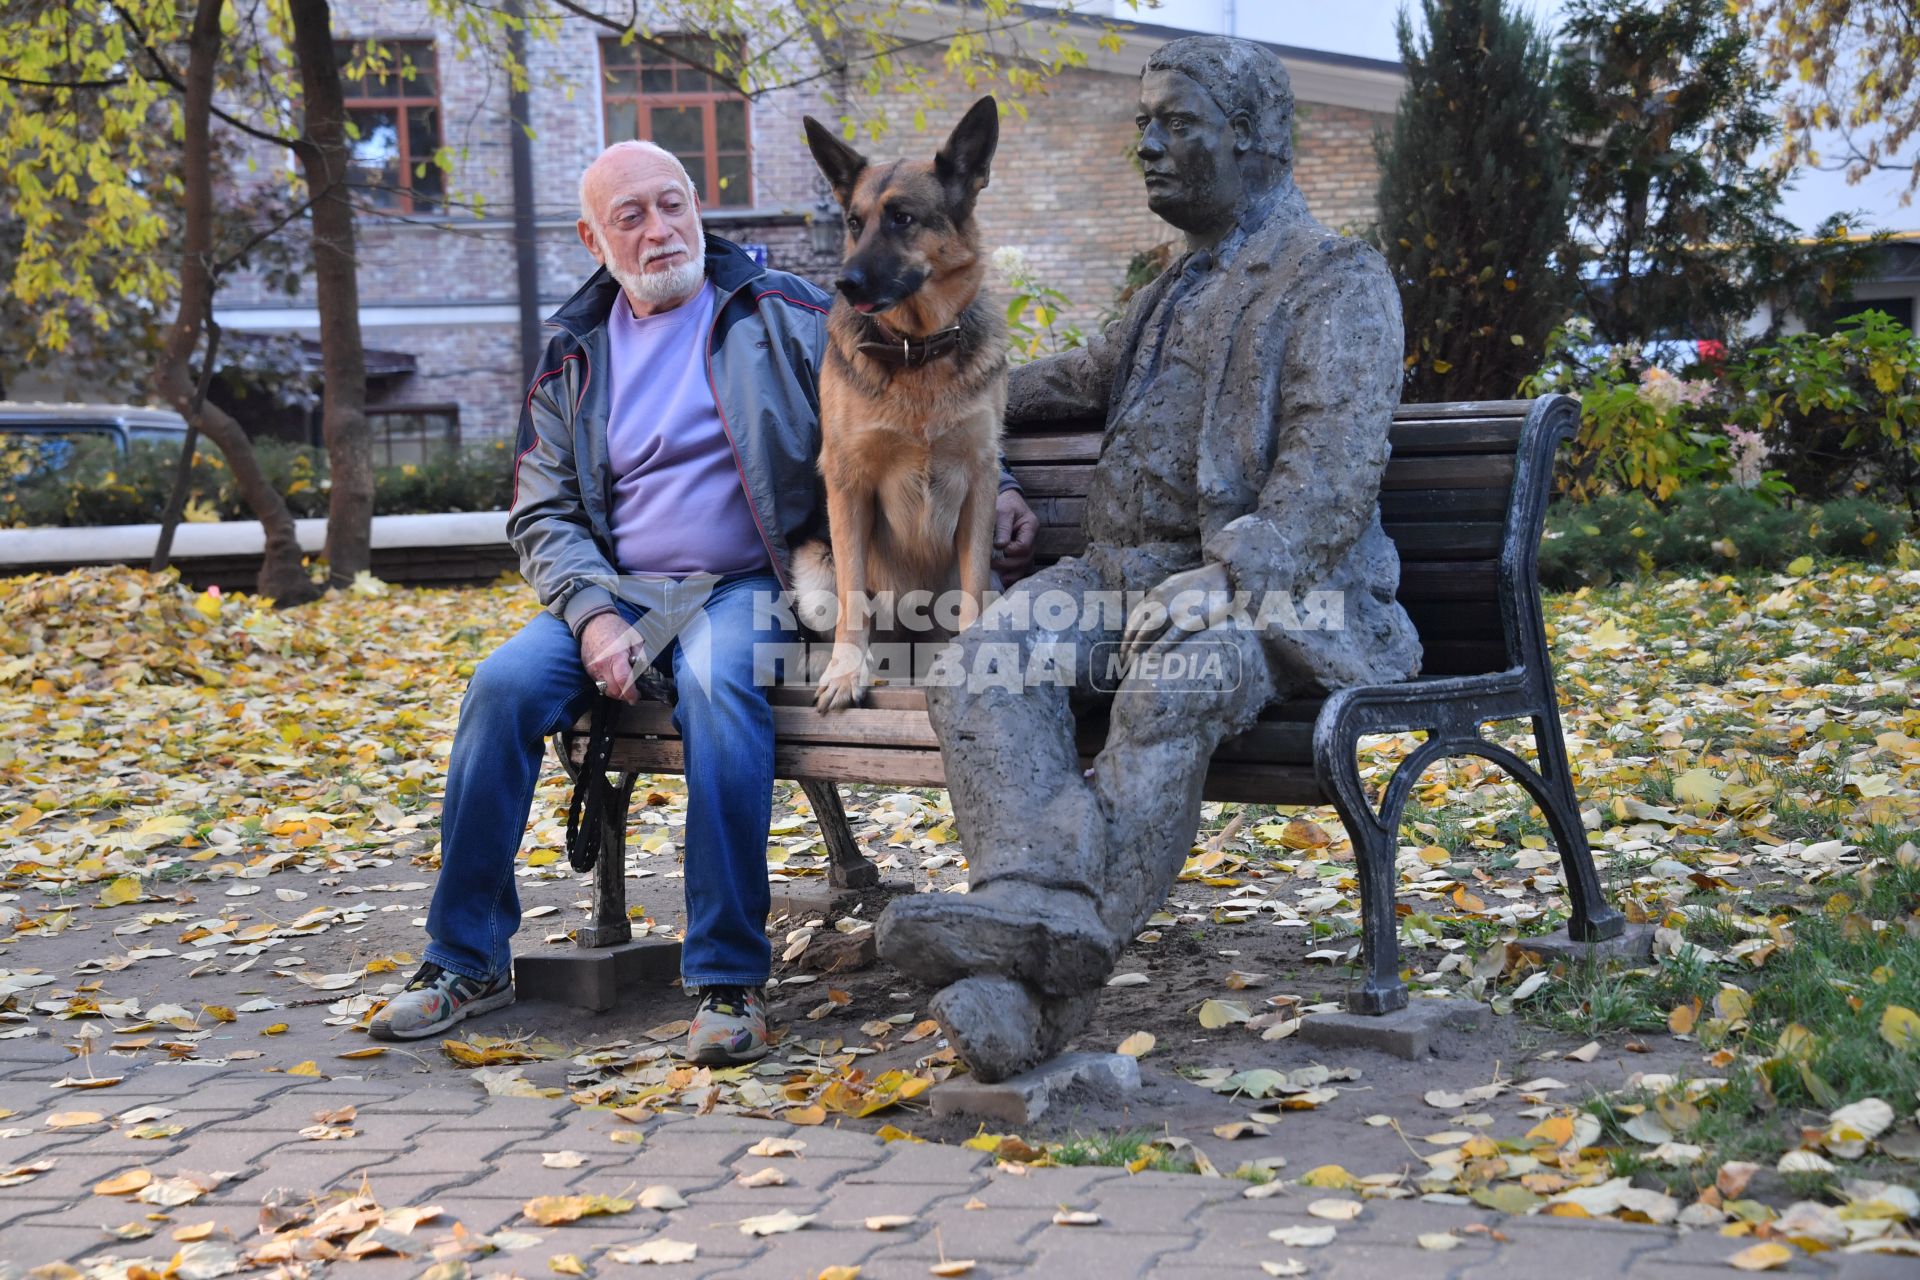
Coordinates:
(730, 1028)
(434, 999)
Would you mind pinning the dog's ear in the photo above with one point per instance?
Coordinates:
(841, 164)
(963, 162)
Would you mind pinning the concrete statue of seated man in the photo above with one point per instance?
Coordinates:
(1234, 557)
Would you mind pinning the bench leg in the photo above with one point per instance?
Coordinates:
(1375, 840)
(607, 966)
(610, 926)
(1594, 918)
(847, 867)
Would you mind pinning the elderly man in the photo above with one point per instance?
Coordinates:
(666, 463)
(1247, 395)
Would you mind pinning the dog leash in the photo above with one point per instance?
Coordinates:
(592, 793)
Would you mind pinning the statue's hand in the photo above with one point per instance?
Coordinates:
(1189, 601)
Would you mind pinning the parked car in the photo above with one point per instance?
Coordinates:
(57, 433)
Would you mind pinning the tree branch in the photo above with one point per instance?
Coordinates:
(904, 46)
(172, 77)
(233, 259)
(64, 84)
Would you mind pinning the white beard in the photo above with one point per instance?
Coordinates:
(674, 285)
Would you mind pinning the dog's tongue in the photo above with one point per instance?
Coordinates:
(864, 308)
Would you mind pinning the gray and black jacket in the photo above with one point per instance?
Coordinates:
(764, 352)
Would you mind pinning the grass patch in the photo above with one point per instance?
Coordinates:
(1122, 1149)
(1809, 1041)
(1595, 997)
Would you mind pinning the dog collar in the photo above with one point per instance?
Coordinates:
(903, 352)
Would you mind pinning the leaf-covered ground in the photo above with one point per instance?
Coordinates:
(218, 832)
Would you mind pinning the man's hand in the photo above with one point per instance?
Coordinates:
(1185, 602)
(1014, 529)
(610, 649)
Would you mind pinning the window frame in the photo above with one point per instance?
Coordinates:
(406, 201)
(445, 438)
(644, 103)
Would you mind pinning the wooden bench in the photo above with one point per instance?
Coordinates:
(1464, 499)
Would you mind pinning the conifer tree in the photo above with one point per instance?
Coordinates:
(1670, 120)
(1473, 200)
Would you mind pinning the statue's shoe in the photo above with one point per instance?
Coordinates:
(1001, 1027)
(1052, 939)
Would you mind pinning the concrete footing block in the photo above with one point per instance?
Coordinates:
(594, 977)
(804, 899)
(1404, 1033)
(1634, 946)
(1101, 1078)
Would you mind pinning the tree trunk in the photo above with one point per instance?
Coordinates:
(324, 158)
(281, 573)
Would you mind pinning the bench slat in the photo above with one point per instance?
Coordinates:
(1408, 503)
(1416, 506)
(1226, 779)
(1053, 446)
(1463, 581)
(852, 726)
(1416, 541)
(1412, 437)
(1463, 657)
(1416, 429)
(1466, 409)
(1461, 471)
(1467, 540)
(1445, 620)
(1450, 470)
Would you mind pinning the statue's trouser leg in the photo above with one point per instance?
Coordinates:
(1032, 826)
(1149, 779)
(1150, 774)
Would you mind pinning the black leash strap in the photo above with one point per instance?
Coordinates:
(592, 793)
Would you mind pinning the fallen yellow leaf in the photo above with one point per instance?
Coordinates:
(551, 1211)
(1900, 1027)
(1680, 1021)
(1762, 1257)
(123, 1184)
(1215, 1014)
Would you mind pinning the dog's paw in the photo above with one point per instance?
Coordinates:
(844, 682)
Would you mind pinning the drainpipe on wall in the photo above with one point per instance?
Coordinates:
(526, 254)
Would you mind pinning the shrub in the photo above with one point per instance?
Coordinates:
(99, 486)
(1705, 529)
(1642, 428)
(1824, 416)
(1034, 327)
(1840, 412)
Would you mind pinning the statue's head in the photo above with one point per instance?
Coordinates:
(1216, 128)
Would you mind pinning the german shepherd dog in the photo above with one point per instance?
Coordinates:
(912, 394)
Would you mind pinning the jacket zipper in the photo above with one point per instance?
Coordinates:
(738, 467)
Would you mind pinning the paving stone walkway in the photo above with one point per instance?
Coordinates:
(479, 1159)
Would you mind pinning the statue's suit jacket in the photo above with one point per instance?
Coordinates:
(1302, 361)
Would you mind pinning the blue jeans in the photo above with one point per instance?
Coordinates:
(533, 685)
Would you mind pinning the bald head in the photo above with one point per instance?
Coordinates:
(640, 217)
(623, 162)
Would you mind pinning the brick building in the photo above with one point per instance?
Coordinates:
(448, 288)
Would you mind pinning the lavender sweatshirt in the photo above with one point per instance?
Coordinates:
(678, 504)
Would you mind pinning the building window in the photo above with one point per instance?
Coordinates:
(393, 101)
(653, 96)
(418, 433)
